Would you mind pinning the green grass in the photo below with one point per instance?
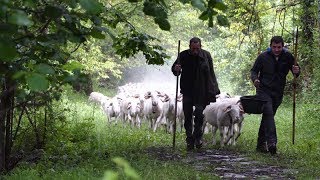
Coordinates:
(86, 146)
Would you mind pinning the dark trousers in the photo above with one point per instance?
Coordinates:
(267, 131)
(192, 133)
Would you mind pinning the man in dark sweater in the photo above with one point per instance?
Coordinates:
(268, 75)
(199, 87)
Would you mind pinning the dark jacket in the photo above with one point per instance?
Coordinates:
(198, 79)
(272, 73)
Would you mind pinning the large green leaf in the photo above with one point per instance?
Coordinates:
(20, 18)
(37, 82)
(223, 20)
(7, 50)
(44, 69)
(200, 4)
(110, 175)
(204, 15)
(53, 12)
(220, 5)
(91, 6)
(128, 170)
(97, 33)
(163, 24)
(73, 65)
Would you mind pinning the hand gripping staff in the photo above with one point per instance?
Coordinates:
(294, 87)
(176, 102)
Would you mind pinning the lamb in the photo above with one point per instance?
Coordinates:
(151, 108)
(98, 98)
(112, 108)
(167, 112)
(223, 116)
(131, 109)
(222, 96)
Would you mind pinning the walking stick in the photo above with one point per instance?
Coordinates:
(294, 87)
(176, 102)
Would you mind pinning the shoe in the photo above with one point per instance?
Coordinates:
(272, 149)
(190, 147)
(262, 148)
(198, 143)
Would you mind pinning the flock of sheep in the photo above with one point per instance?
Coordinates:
(157, 107)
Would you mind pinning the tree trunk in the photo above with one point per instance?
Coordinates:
(308, 19)
(2, 133)
(6, 117)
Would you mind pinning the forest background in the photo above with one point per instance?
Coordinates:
(97, 45)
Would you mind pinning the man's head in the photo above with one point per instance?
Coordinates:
(276, 45)
(195, 45)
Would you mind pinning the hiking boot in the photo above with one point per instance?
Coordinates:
(272, 149)
(190, 147)
(262, 148)
(198, 143)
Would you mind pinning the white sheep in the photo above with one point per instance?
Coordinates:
(131, 109)
(98, 98)
(151, 108)
(223, 116)
(112, 108)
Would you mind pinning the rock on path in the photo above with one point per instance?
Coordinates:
(224, 164)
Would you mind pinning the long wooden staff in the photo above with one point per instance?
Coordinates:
(294, 87)
(176, 102)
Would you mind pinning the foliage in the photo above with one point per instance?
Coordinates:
(37, 44)
(87, 148)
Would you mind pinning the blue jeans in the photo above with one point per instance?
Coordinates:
(196, 132)
(267, 131)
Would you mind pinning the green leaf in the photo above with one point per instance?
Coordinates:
(200, 4)
(7, 50)
(71, 3)
(128, 170)
(73, 65)
(163, 24)
(223, 20)
(204, 15)
(96, 33)
(91, 6)
(30, 3)
(20, 18)
(44, 69)
(53, 12)
(111, 175)
(37, 82)
(221, 6)
(19, 74)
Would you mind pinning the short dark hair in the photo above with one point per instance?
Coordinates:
(277, 39)
(195, 40)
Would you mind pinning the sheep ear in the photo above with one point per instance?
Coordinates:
(227, 109)
(129, 105)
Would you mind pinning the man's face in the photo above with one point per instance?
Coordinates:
(276, 48)
(195, 48)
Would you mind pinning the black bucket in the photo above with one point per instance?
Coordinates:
(252, 104)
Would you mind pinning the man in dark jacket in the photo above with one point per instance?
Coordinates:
(268, 75)
(199, 87)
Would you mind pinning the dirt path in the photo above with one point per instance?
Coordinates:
(225, 164)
